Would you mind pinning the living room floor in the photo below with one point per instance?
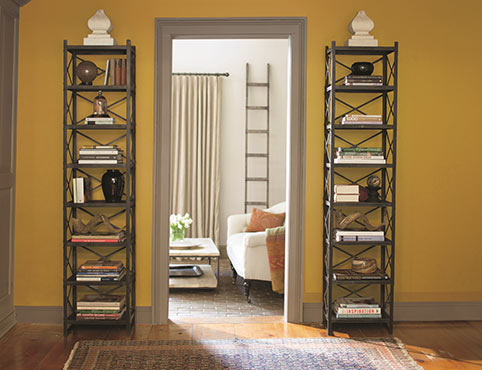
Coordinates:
(227, 300)
(434, 345)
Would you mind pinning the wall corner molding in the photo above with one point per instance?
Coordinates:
(21, 2)
(7, 323)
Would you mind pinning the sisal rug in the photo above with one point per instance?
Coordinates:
(241, 354)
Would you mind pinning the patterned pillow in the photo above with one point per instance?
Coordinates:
(261, 220)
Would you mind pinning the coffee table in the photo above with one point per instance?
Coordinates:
(196, 248)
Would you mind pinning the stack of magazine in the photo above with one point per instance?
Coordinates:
(359, 235)
(103, 270)
(100, 154)
(100, 307)
(99, 238)
(357, 308)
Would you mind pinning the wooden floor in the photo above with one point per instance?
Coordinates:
(445, 345)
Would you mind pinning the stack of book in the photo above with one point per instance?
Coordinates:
(362, 119)
(356, 308)
(95, 120)
(100, 154)
(100, 307)
(359, 236)
(101, 271)
(347, 193)
(349, 274)
(99, 238)
(355, 80)
(359, 155)
(82, 189)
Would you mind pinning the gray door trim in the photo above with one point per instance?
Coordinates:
(8, 179)
(167, 29)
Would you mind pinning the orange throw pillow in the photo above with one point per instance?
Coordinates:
(261, 220)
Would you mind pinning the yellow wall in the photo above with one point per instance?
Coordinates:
(439, 174)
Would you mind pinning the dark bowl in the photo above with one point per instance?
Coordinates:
(362, 68)
(86, 72)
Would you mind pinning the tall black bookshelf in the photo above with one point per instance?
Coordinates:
(121, 104)
(342, 100)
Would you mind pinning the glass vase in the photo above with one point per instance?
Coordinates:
(177, 234)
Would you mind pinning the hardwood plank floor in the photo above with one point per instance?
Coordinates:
(434, 345)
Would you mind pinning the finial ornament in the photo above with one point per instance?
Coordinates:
(100, 25)
(360, 28)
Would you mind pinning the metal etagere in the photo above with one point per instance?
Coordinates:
(341, 100)
(123, 133)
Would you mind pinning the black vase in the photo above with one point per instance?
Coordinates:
(362, 68)
(113, 186)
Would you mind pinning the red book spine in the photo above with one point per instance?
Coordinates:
(95, 240)
(118, 73)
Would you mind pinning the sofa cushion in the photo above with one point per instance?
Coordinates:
(261, 220)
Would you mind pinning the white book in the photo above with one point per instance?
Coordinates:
(347, 189)
(74, 189)
(359, 232)
(94, 118)
(100, 152)
(359, 161)
(107, 71)
(346, 197)
(98, 161)
(78, 187)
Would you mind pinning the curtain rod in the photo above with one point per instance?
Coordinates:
(226, 74)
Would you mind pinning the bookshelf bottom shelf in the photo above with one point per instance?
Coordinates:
(72, 320)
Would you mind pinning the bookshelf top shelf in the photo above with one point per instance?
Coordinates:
(360, 89)
(361, 50)
(99, 49)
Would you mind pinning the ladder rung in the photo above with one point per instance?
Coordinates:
(257, 131)
(256, 203)
(262, 155)
(256, 179)
(257, 107)
(258, 84)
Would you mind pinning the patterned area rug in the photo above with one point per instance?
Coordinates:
(240, 354)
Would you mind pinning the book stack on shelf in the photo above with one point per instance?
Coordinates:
(116, 72)
(100, 307)
(356, 308)
(350, 193)
(362, 119)
(359, 236)
(82, 189)
(358, 80)
(349, 274)
(99, 238)
(95, 120)
(103, 270)
(100, 154)
(359, 155)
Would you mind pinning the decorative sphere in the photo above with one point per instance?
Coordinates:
(86, 72)
(362, 68)
(373, 181)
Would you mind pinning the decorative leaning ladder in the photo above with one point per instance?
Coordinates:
(248, 201)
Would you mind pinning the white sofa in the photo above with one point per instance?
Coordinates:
(247, 251)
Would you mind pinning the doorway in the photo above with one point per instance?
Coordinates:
(293, 29)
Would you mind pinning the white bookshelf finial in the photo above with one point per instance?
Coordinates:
(360, 27)
(100, 25)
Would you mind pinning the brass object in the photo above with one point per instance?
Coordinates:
(90, 228)
(364, 265)
(343, 221)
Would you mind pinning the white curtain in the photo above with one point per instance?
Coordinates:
(195, 126)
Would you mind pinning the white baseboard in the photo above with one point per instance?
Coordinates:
(54, 314)
(416, 311)
(6, 323)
